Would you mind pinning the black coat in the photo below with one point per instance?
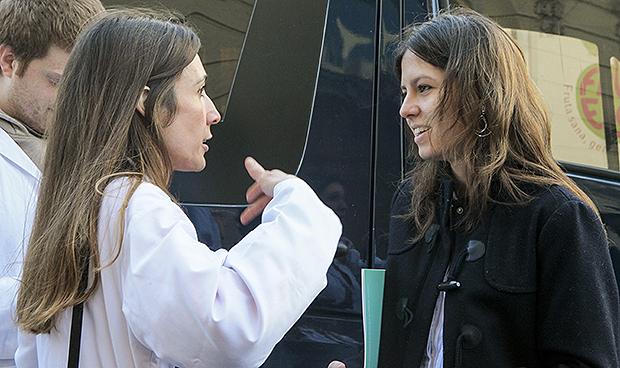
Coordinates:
(537, 288)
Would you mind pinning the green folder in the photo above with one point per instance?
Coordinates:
(372, 305)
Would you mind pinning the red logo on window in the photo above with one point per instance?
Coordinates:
(589, 102)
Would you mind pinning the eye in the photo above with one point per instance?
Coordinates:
(53, 80)
(203, 90)
(423, 88)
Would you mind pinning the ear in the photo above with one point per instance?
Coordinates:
(8, 64)
(142, 100)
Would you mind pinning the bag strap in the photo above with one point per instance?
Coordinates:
(76, 325)
(76, 336)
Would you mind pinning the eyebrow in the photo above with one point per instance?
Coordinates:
(54, 76)
(415, 80)
(202, 80)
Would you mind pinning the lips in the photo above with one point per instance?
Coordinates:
(419, 130)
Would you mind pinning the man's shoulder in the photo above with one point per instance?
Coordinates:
(12, 154)
(11, 125)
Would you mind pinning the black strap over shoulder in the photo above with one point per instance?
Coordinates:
(76, 336)
(76, 325)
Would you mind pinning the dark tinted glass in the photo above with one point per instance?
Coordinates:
(572, 48)
(338, 165)
(270, 104)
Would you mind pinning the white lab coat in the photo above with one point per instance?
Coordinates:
(19, 183)
(168, 300)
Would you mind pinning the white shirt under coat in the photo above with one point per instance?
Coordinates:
(170, 301)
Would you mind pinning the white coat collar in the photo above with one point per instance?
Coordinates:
(13, 153)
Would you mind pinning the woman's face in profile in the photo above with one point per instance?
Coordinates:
(186, 136)
(420, 85)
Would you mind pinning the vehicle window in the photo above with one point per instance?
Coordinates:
(572, 49)
(225, 23)
(270, 104)
(566, 70)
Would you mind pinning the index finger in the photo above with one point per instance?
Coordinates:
(253, 167)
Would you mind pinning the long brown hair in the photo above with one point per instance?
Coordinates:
(97, 135)
(485, 69)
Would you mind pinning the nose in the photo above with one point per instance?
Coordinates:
(213, 116)
(409, 107)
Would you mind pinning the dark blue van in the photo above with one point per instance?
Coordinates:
(307, 86)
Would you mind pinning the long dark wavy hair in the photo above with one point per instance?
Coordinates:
(484, 68)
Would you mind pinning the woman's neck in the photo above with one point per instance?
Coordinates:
(459, 176)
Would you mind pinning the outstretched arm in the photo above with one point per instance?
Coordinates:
(260, 193)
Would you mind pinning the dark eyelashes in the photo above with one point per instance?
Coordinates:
(423, 88)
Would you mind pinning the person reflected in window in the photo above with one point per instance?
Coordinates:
(132, 107)
(343, 278)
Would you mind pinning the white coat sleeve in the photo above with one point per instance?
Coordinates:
(195, 307)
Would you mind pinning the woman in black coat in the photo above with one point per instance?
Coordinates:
(496, 258)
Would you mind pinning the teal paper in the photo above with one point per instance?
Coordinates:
(372, 303)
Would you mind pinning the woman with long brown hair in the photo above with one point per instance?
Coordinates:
(496, 258)
(131, 109)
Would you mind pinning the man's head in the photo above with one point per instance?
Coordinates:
(36, 37)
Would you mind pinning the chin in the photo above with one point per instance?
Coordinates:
(192, 166)
(426, 154)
